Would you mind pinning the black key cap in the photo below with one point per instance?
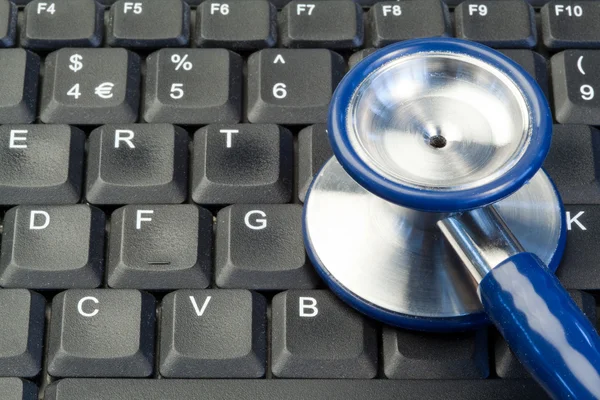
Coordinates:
(315, 335)
(138, 163)
(508, 366)
(292, 389)
(19, 86)
(50, 25)
(8, 23)
(568, 24)
(245, 232)
(160, 247)
(21, 333)
(313, 152)
(393, 21)
(579, 267)
(420, 355)
(236, 24)
(359, 56)
(213, 334)
(134, 24)
(572, 163)
(534, 63)
(333, 24)
(52, 247)
(101, 333)
(242, 164)
(576, 84)
(199, 86)
(499, 23)
(41, 164)
(17, 389)
(91, 86)
(292, 86)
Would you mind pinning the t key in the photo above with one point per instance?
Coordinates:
(91, 86)
(292, 86)
(245, 163)
(576, 84)
(137, 163)
(50, 24)
(52, 247)
(197, 86)
(334, 24)
(160, 247)
(102, 333)
(315, 335)
(134, 24)
(568, 24)
(261, 247)
(213, 334)
(499, 23)
(41, 164)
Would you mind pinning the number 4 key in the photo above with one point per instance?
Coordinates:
(576, 80)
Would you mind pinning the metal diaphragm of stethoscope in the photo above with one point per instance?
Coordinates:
(435, 213)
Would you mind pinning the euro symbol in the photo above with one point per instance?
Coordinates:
(104, 90)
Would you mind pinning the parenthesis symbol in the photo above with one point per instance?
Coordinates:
(579, 65)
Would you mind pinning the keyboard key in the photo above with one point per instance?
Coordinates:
(101, 333)
(236, 24)
(579, 267)
(568, 24)
(19, 86)
(261, 247)
(160, 247)
(134, 24)
(213, 334)
(534, 63)
(8, 23)
(572, 164)
(313, 152)
(421, 355)
(508, 366)
(498, 23)
(359, 56)
(292, 86)
(242, 164)
(17, 389)
(196, 86)
(333, 24)
(315, 335)
(52, 247)
(576, 84)
(21, 333)
(137, 163)
(41, 164)
(91, 87)
(292, 389)
(394, 21)
(50, 25)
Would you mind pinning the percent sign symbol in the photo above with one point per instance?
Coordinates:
(181, 62)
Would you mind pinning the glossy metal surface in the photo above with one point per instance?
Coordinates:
(544, 327)
(439, 121)
(397, 260)
(481, 239)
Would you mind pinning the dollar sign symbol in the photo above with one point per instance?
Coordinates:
(76, 63)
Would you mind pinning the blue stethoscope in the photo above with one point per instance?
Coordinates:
(438, 149)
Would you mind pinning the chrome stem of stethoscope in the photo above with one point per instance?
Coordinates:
(379, 223)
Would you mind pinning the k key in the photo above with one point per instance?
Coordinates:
(246, 163)
(91, 86)
(51, 24)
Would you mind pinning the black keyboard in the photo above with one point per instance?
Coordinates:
(154, 157)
